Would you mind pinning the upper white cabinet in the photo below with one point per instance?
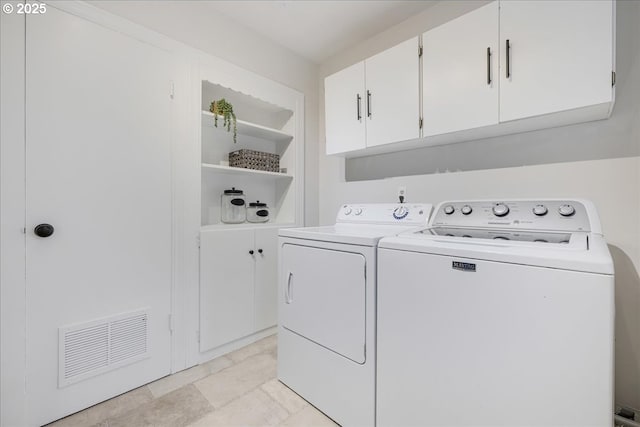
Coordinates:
(555, 56)
(392, 98)
(503, 68)
(344, 114)
(374, 102)
(460, 73)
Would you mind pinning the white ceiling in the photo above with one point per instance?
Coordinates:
(314, 29)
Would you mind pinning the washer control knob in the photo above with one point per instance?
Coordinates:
(358, 211)
(500, 209)
(347, 210)
(400, 212)
(449, 209)
(466, 210)
(540, 210)
(566, 210)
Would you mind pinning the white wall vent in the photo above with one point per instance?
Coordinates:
(91, 348)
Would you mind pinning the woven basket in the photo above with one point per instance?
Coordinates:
(252, 159)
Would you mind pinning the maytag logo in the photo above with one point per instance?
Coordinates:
(463, 266)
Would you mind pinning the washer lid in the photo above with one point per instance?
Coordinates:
(583, 252)
(352, 234)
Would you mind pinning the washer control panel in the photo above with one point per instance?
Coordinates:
(386, 213)
(561, 215)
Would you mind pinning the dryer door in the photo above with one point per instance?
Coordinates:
(324, 298)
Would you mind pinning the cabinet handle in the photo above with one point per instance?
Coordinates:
(358, 99)
(251, 252)
(368, 104)
(287, 291)
(489, 66)
(508, 59)
(259, 251)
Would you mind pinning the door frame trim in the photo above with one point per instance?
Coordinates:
(13, 211)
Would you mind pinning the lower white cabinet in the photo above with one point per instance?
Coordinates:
(238, 284)
(266, 278)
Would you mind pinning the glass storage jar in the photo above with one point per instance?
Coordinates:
(232, 207)
(258, 212)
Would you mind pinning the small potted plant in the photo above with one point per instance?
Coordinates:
(224, 109)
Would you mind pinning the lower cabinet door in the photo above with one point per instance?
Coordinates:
(266, 278)
(226, 286)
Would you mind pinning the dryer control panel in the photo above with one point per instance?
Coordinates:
(407, 214)
(549, 214)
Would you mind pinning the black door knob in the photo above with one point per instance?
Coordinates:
(251, 252)
(259, 251)
(43, 230)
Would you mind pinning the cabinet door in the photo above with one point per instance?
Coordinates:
(392, 105)
(344, 105)
(266, 281)
(226, 286)
(459, 73)
(560, 56)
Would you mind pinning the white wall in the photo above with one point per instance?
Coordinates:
(597, 161)
(195, 24)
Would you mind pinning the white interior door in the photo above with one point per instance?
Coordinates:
(325, 298)
(460, 73)
(226, 286)
(393, 94)
(344, 106)
(560, 56)
(266, 280)
(98, 161)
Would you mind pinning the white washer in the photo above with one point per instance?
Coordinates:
(326, 332)
(498, 314)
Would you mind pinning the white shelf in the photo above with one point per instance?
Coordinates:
(249, 129)
(244, 225)
(242, 171)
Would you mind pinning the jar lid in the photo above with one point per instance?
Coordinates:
(233, 191)
(257, 204)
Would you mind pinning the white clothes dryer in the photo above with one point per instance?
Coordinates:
(326, 331)
(498, 314)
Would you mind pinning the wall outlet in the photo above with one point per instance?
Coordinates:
(402, 194)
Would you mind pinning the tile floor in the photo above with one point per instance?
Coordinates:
(238, 389)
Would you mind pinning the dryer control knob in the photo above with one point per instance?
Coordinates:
(400, 212)
(540, 210)
(566, 210)
(449, 209)
(466, 210)
(358, 211)
(500, 209)
(348, 210)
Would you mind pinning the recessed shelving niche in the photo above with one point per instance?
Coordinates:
(261, 126)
